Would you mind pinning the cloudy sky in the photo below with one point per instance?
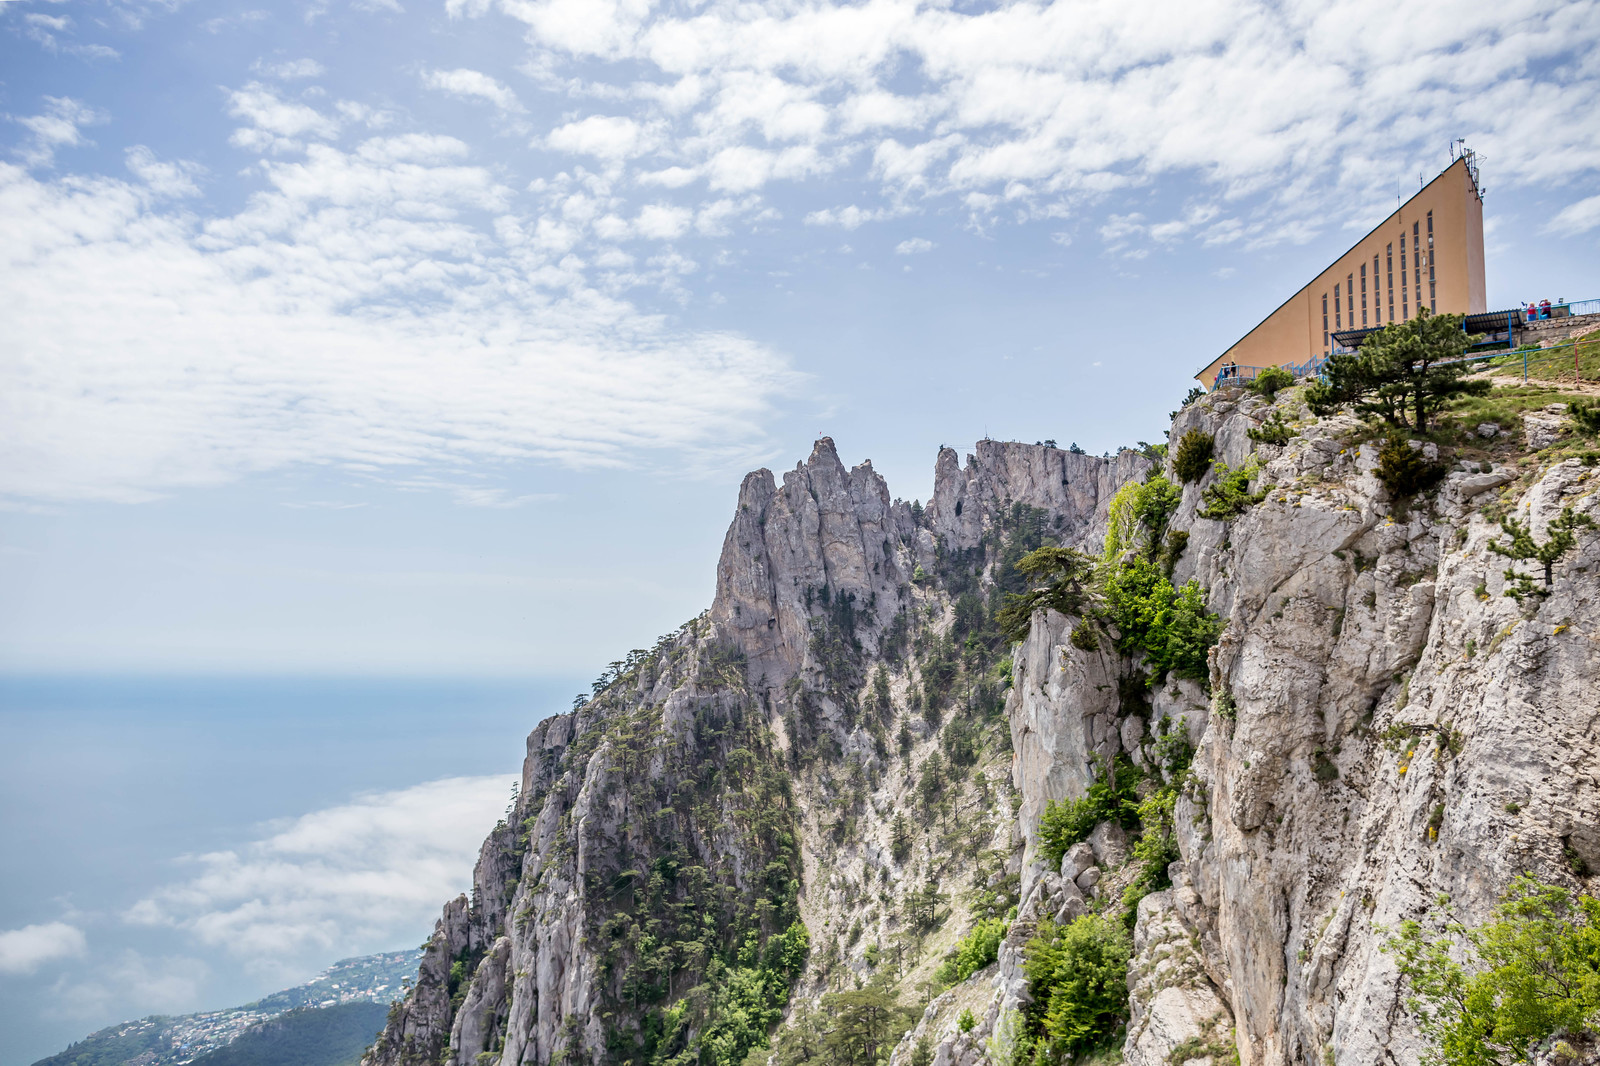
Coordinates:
(429, 338)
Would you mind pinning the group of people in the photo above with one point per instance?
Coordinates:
(1534, 311)
(1229, 371)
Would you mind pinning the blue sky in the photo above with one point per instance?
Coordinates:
(408, 338)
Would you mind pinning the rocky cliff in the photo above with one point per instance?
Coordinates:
(827, 779)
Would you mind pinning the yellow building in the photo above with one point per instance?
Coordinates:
(1429, 253)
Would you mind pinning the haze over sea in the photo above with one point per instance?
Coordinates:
(194, 842)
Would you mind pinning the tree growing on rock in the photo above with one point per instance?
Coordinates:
(1560, 538)
(1490, 995)
(1404, 373)
(1062, 578)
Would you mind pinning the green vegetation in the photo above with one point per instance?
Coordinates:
(1403, 469)
(857, 1028)
(1273, 431)
(1157, 846)
(115, 1045)
(973, 952)
(1171, 625)
(1586, 416)
(1065, 574)
(1402, 374)
(1193, 457)
(1561, 537)
(1112, 797)
(1138, 516)
(1078, 978)
(309, 1036)
(1270, 381)
(1230, 495)
(966, 1022)
(1077, 972)
(1490, 995)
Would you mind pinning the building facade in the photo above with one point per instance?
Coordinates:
(1429, 253)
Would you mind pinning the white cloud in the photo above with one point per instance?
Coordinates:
(44, 28)
(848, 217)
(163, 178)
(472, 83)
(370, 871)
(914, 246)
(382, 308)
(669, 177)
(58, 126)
(24, 950)
(129, 983)
(1580, 217)
(662, 222)
(276, 124)
(608, 137)
(1049, 105)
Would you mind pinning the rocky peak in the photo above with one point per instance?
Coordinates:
(827, 535)
(1076, 487)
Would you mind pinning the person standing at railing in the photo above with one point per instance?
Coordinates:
(1544, 308)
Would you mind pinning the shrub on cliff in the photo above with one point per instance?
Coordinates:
(1193, 457)
(1170, 625)
(1230, 495)
(1404, 470)
(1586, 416)
(1060, 578)
(1112, 797)
(1490, 995)
(1270, 381)
(1078, 978)
(1273, 431)
(974, 951)
(1561, 536)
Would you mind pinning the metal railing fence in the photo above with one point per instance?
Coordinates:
(1582, 355)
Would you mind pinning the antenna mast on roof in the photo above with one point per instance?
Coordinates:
(1471, 159)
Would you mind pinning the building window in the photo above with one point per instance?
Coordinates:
(1363, 296)
(1338, 308)
(1433, 292)
(1377, 295)
(1350, 297)
(1388, 262)
(1416, 259)
(1405, 291)
(1324, 321)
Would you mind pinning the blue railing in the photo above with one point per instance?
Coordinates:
(1240, 375)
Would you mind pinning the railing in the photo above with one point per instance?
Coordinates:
(1241, 375)
(1565, 309)
(1574, 360)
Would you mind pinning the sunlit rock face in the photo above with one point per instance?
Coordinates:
(1380, 725)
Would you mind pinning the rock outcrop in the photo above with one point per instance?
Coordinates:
(1380, 725)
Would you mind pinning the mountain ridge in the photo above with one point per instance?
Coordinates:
(839, 776)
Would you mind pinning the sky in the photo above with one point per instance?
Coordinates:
(420, 346)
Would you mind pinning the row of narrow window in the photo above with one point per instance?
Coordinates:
(1344, 302)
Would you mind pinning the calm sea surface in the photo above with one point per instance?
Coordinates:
(106, 781)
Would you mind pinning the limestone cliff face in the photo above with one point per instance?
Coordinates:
(1384, 726)
(1077, 487)
(828, 535)
(1380, 725)
(823, 582)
